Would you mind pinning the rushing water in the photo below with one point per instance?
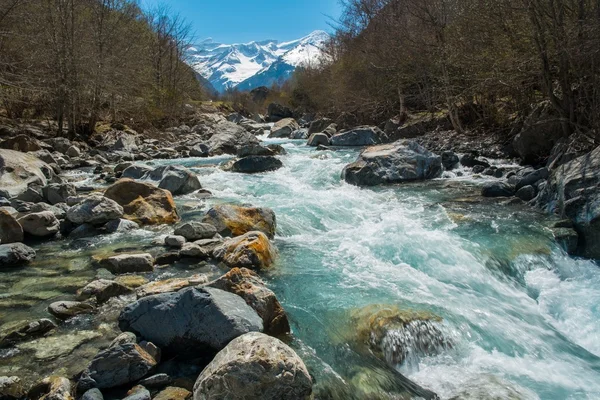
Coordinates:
(521, 315)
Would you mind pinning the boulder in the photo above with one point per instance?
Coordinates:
(191, 320)
(95, 210)
(319, 125)
(299, 134)
(498, 189)
(173, 393)
(228, 137)
(360, 136)
(526, 193)
(230, 220)
(470, 160)
(196, 230)
(284, 128)
(143, 203)
(69, 309)
(10, 230)
(128, 263)
(317, 139)
(19, 170)
(192, 250)
(118, 365)
(11, 387)
(450, 160)
(22, 143)
(41, 224)
(103, 290)
(73, 152)
(277, 112)
(254, 150)
(401, 161)
(256, 164)
(120, 226)
(58, 193)
(177, 180)
(175, 241)
(200, 150)
(259, 366)
(573, 191)
(92, 394)
(248, 285)
(136, 171)
(252, 250)
(51, 388)
(24, 330)
(169, 285)
(15, 254)
(138, 393)
(531, 178)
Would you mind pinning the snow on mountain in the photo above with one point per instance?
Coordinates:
(249, 65)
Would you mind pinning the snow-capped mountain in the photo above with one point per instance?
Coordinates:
(250, 65)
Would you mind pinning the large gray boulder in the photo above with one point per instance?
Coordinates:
(40, 224)
(360, 136)
(254, 366)
(136, 171)
(177, 180)
(15, 254)
(284, 128)
(498, 189)
(398, 162)
(95, 210)
(195, 230)
(228, 137)
(58, 193)
(193, 319)
(317, 139)
(118, 365)
(19, 170)
(573, 191)
(256, 164)
(10, 229)
(128, 263)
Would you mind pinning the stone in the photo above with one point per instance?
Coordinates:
(103, 290)
(450, 160)
(231, 220)
(175, 241)
(10, 230)
(169, 285)
(196, 230)
(254, 150)
(95, 210)
(138, 393)
(15, 254)
(22, 143)
(136, 171)
(567, 238)
(209, 245)
(277, 112)
(526, 193)
(128, 263)
(317, 139)
(144, 203)
(228, 137)
(168, 258)
(177, 180)
(256, 164)
(299, 134)
(470, 160)
(498, 189)
(401, 161)
(531, 178)
(55, 193)
(173, 393)
(252, 250)
(284, 128)
(200, 150)
(156, 381)
(192, 250)
(33, 194)
(92, 394)
(20, 170)
(120, 226)
(11, 387)
(51, 388)
(118, 365)
(73, 152)
(192, 319)
(58, 345)
(69, 309)
(319, 125)
(257, 365)
(40, 224)
(131, 281)
(24, 330)
(359, 136)
(84, 231)
(248, 285)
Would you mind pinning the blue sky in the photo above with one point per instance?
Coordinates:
(236, 21)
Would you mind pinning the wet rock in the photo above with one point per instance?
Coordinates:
(103, 290)
(254, 150)
(360, 136)
(173, 393)
(299, 134)
(498, 189)
(15, 254)
(568, 238)
(40, 224)
(260, 366)
(398, 162)
(56, 346)
(319, 125)
(196, 230)
(131, 281)
(529, 179)
(118, 365)
(24, 330)
(120, 226)
(95, 210)
(144, 203)
(156, 381)
(51, 388)
(252, 250)
(317, 139)
(256, 164)
(231, 220)
(168, 258)
(136, 171)
(169, 285)
(175, 241)
(470, 160)
(20, 170)
(192, 319)
(92, 394)
(58, 193)
(177, 180)
(11, 387)
(248, 285)
(84, 231)
(10, 230)
(526, 193)
(489, 387)
(450, 160)
(128, 263)
(284, 128)
(478, 169)
(69, 309)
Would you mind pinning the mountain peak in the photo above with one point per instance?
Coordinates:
(257, 63)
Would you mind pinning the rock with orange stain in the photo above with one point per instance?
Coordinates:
(252, 250)
(234, 221)
(144, 203)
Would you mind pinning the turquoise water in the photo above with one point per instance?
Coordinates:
(518, 309)
(521, 315)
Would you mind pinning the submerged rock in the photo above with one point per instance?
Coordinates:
(252, 250)
(359, 136)
(15, 254)
(144, 203)
(401, 161)
(257, 365)
(103, 290)
(190, 321)
(69, 309)
(233, 220)
(55, 346)
(24, 330)
(248, 285)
